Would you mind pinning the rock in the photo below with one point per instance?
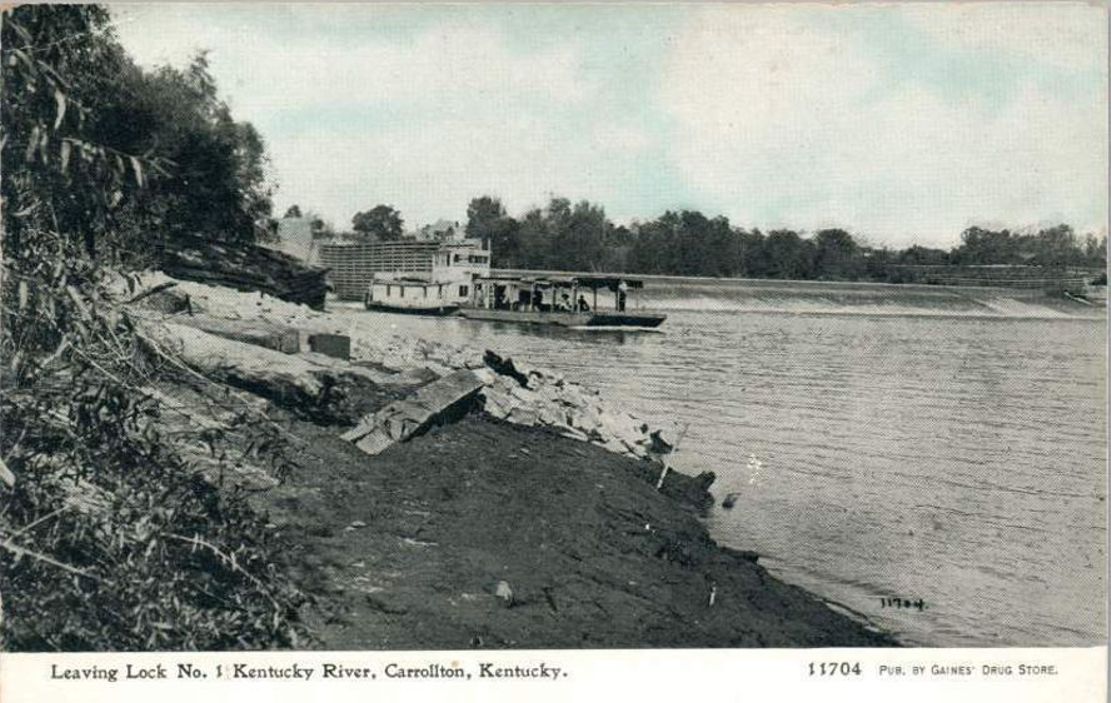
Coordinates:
(550, 415)
(259, 333)
(358, 523)
(337, 346)
(661, 444)
(585, 419)
(487, 376)
(419, 374)
(503, 591)
(548, 393)
(404, 418)
(572, 396)
(274, 374)
(571, 433)
(439, 369)
(523, 415)
(493, 397)
(496, 408)
(614, 446)
(507, 384)
(505, 367)
(524, 395)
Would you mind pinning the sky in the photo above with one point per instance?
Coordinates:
(902, 123)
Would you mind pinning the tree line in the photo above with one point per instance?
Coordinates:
(569, 236)
(579, 237)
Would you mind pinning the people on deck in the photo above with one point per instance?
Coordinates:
(583, 306)
(622, 291)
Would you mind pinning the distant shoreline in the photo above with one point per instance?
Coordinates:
(773, 296)
(771, 282)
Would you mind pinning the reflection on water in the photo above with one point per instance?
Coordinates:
(956, 460)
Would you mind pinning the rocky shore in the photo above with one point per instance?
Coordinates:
(498, 505)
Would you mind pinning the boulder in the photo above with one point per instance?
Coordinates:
(524, 415)
(334, 345)
(410, 416)
(487, 376)
(551, 415)
(281, 377)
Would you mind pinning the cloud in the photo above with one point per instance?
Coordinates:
(794, 121)
(904, 123)
(1072, 36)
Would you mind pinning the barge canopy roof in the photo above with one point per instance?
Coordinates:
(610, 282)
(590, 282)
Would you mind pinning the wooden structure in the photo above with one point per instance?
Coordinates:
(244, 267)
(410, 295)
(351, 266)
(558, 301)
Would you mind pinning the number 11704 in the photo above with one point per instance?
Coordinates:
(835, 668)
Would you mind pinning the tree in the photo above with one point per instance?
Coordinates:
(488, 221)
(293, 211)
(213, 183)
(984, 246)
(836, 255)
(1095, 250)
(482, 215)
(923, 256)
(62, 70)
(86, 166)
(1056, 246)
(579, 236)
(381, 222)
(789, 256)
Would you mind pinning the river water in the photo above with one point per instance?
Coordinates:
(916, 449)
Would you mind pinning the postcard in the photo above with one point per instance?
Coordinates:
(499, 350)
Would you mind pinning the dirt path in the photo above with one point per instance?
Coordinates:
(405, 550)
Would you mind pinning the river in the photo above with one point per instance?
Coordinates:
(881, 444)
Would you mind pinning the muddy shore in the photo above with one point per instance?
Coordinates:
(406, 550)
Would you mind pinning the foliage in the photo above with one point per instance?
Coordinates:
(108, 152)
(688, 243)
(58, 66)
(108, 538)
(488, 221)
(1052, 246)
(219, 188)
(482, 215)
(381, 222)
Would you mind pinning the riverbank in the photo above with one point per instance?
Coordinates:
(486, 534)
(482, 533)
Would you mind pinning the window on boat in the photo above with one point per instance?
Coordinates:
(463, 290)
(389, 290)
(425, 289)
